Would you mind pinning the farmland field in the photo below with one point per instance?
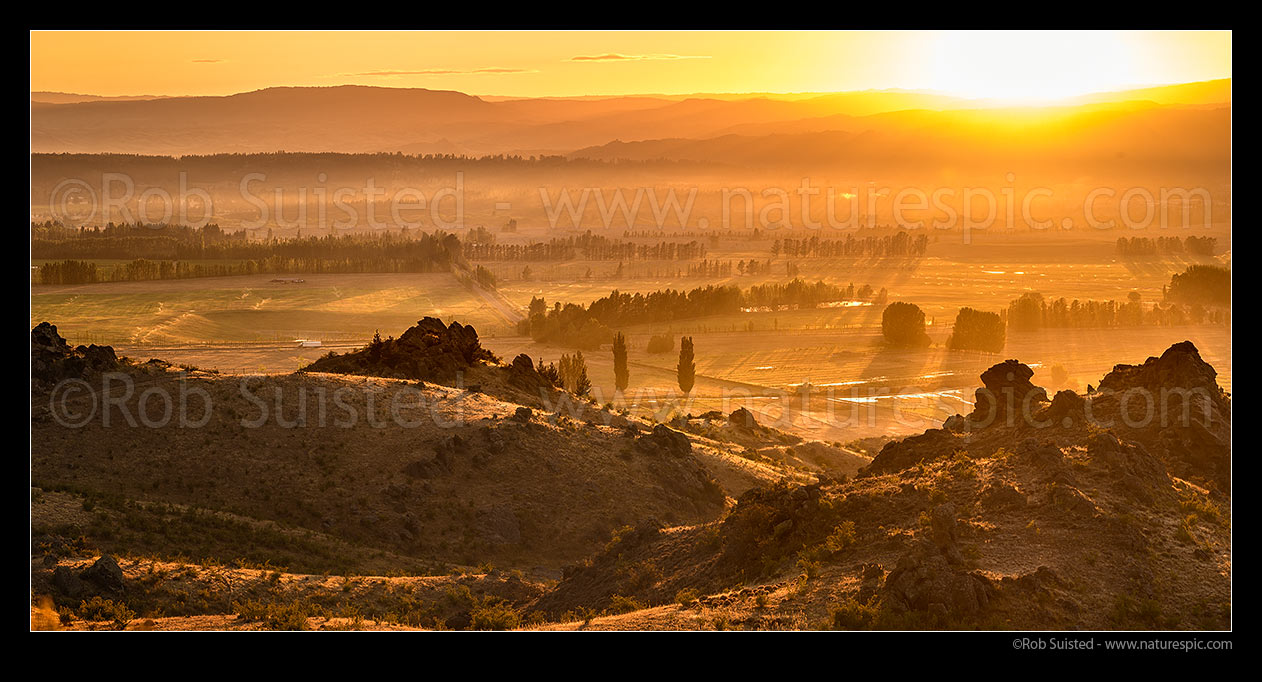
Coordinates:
(252, 309)
(249, 324)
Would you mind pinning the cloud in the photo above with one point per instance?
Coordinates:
(207, 61)
(616, 57)
(436, 72)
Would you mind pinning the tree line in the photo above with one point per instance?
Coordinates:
(1147, 246)
(900, 244)
(1031, 312)
(180, 252)
(584, 247)
(177, 242)
(589, 326)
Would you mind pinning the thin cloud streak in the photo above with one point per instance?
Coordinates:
(617, 57)
(436, 72)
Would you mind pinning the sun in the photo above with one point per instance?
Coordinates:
(1031, 66)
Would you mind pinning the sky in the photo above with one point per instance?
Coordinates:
(1018, 65)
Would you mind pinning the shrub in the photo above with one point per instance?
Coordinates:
(841, 538)
(276, 616)
(664, 343)
(686, 597)
(620, 604)
(106, 609)
(851, 615)
(494, 617)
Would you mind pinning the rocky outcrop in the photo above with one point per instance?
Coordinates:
(1173, 406)
(1180, 366)
(908, 452)
(429, 351)
(1007, 397)
(942, 525)
(1068, 410)
(768, 525)
(1138, 474)
(53, 360)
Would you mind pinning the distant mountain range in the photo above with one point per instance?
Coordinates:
(1190, 120)
(75, 98)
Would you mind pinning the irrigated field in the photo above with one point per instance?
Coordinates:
(253, 309)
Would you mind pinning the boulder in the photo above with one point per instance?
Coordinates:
(742, 418)
(1073, 501)
(67, 583)
(926, 582)
(1138, 474)
(523, 374)
(105, 573)
(664, 440)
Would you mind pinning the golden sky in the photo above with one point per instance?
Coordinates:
(1022, 65)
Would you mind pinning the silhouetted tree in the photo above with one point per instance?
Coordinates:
(977, 330)
(687, 369)
(573, 371)
(903, 325)
(621, 374)
(1026, 313)
(1204, 284)
(550, 372)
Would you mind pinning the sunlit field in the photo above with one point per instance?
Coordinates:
(253, 309)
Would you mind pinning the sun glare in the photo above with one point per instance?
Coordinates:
(1032, 66)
